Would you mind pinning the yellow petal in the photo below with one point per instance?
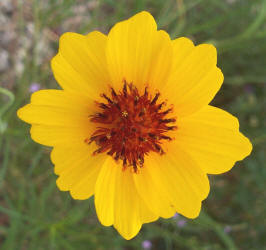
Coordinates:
(146, 214)
(48, 115)
(154, 197)
(180, 179)
(127, 208)
(60, 135)
(80, 64)
(137, 52)
(58, 117)
(117, 201)
(105, 191)
(77, 169)
(211, 136)
(194, 79)
(182, 47)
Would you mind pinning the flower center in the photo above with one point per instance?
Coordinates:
(131, 125)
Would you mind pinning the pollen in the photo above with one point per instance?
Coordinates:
(124, 113)
(130, 125)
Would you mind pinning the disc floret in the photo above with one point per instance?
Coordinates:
(131, 125)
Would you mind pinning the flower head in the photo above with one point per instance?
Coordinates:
(181, 223)
(227, 229)
(34, 87)
(132, 124)
(176, 216)
(146, 244)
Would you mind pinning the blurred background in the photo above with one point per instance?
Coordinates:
(34, 214)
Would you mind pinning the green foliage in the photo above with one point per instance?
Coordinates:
(34, 214)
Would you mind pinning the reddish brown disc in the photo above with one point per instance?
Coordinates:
(130, 125)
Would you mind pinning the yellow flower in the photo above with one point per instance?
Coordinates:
(133, 125)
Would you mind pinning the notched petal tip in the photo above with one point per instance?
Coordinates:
(144, 13)
(184, 41)
(209, 50)
(139, 19)
(53, 157)
(193, 213)
(246, 147)
(19, 113)
(104, 222)
(220, 75)
(61, 185)
(207, 189)
(208, 46)
(96, 33)
(145, 16)
(165, 36)
(128, 235)
(69, 36)
(22, 113)
(53, 62)
(76, 196)
(34, 135)
(43, 96)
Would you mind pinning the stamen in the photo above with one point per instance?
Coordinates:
(172, 128)
(166, 137)
(107, 98)
(155, 99)
(125, 89)
(167, 111)
(146, 91)
(103, 106)
(168, 120)
(142, 112)
(160, 105)
(113, 92)
(117, 106)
